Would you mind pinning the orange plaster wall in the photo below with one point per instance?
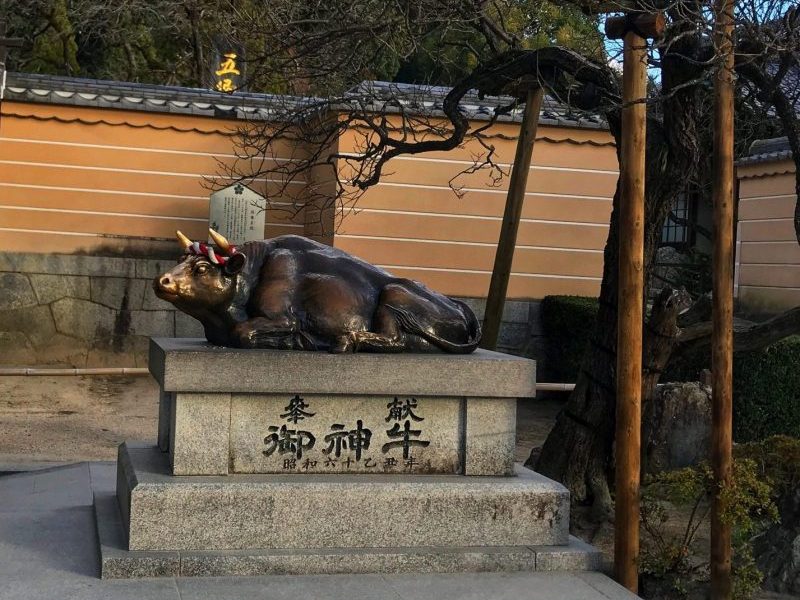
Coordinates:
(414, 223)
(768, 254)
(82, 180)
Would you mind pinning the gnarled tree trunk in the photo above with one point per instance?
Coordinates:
(578, 450)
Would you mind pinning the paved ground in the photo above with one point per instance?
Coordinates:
(48, 551)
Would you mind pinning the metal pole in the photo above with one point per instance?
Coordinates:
(630, 312)
(56, 372)
(722, 317)
(513, 212)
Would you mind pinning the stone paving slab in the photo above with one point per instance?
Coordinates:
(48, 550)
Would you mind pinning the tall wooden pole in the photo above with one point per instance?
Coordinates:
(511, 217)
(722, 314)
(630, 312)
(631, 28)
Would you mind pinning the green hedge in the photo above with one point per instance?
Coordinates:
(766, 383)
(567, 323)
(766, 388)
(766, 392)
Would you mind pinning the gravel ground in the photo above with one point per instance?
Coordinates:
(68, 419)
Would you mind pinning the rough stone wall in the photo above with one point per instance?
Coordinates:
(82, 311)
(521, 330)
(96, 311)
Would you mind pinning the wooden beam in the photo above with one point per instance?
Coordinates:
(722, 311)
(630, 311)
(648, 25)
(511, 217)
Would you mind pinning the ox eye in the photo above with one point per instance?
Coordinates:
(201, 269)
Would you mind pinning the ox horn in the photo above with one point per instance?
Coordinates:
(184, 241)
(220, 241)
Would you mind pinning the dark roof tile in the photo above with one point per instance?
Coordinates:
(770, 150)
(379, 95)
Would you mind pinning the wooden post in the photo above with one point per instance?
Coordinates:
(722, 313)
(630, 313)
(513, 212)
(631, 289)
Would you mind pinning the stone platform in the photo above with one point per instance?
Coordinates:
(307, 462)
(324, 524)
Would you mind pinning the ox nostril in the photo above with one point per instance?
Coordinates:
(165, 284)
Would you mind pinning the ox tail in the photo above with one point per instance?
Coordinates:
(411, 324)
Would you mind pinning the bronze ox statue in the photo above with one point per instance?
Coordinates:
(291, 292)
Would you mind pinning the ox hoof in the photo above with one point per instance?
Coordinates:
(344, 343)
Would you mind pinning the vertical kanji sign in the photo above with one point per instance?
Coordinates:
(228, 68)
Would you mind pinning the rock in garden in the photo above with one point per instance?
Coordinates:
(676, 427)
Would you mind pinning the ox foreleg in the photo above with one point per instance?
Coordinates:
(262, 332)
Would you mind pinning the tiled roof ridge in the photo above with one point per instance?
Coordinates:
(54, 89)
(767, 150)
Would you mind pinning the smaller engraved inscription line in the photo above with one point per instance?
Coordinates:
(230, 434)
(462, 432)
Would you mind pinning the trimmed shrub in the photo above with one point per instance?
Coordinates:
(766, 387)
(766, 392)
(567, 322)
(778, 461)
(675, 505)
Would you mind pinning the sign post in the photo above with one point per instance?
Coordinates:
(227, 75)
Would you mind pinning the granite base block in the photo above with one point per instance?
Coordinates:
(194, 365)
(236, 512)
(227, 411)
(118, 563)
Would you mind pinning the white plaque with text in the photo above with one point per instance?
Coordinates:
(237, 212)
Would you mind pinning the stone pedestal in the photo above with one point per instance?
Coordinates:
(304, 462)
(226, 411)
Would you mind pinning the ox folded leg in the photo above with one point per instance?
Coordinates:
(261, 332)
(367, 341)
(387, 333)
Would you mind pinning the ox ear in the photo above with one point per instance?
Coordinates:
(235, 263)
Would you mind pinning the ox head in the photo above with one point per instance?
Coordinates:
(204, 278)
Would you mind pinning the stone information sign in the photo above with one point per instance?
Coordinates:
(298, 433)
(237, 212)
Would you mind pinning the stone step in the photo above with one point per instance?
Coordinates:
(118, 563)
(240, 512)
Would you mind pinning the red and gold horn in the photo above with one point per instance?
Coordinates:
(220, 241)
(184, 241)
